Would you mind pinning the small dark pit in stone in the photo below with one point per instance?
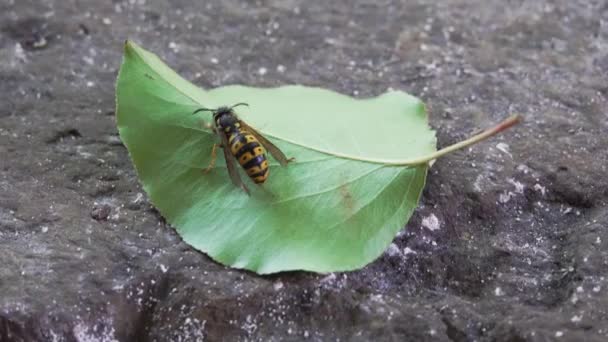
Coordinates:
(101, 212)
(83, 29)
(32, 32)
(101, 188)
(36, 42)
(133, 206)
(109, 177)
(151, 16)
(62, 134)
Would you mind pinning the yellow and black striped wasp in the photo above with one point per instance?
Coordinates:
(243, 143)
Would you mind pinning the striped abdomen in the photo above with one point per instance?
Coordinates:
(249, 153)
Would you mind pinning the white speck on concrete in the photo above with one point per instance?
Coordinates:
(103, 332)
(559, 333)
(328, 278)
(408, 250)
(519, 188)
(138, 198)
(250, 325)
(498, 292)
(278, 285)
(504, 148)
(55, 337)
(173, 46)
(281, 68)
(431, 222)
(477, 183)
(523, 168)
(574, 299)
(576, 319)
(262, 71)
(540, 188)
(107, 21)
(163, 268)
(88, 60)
(20, 53)
(192, 330)
(393, 250)
(505, 197)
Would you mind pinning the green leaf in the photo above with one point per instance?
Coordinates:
(337, 207)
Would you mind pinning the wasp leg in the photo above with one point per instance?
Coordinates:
(213, 158)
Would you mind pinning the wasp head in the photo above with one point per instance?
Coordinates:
(224, 117)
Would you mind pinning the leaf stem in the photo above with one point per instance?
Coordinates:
(512, 120)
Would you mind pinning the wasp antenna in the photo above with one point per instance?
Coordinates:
(203, 110)
(240, 104)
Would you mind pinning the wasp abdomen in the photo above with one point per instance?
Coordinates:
(250, 154)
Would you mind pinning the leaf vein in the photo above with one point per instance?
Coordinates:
(329, 189)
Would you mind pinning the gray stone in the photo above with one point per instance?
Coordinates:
(509, 242)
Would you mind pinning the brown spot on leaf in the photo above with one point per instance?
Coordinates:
(347, 200)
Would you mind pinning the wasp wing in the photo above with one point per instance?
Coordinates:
(230, 164)
(276, 153)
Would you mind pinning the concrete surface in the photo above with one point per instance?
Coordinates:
(509, 242)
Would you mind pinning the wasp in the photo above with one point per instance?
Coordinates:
(242, 143)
